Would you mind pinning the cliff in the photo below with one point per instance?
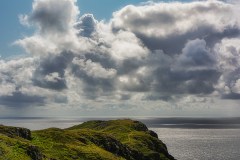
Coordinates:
(92, 140)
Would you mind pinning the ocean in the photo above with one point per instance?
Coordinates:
(186, 138)
(201, 144)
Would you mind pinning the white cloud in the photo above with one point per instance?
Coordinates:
(164, 19)
(55, 22)
(54, 16)
(53, 77)
(228, 57)
(168, 26)
(37, 45)
(94, 69)
(126, 45)
(6, 89)
(228, 52)
(236, 87)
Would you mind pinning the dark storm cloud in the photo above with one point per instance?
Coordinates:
(18, 99)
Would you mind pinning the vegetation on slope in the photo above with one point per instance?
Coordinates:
(93, 140)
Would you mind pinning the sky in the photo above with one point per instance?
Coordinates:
(11, 29)
(123, 58)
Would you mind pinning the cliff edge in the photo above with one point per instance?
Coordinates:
(92, 140)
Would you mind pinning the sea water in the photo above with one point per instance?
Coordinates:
(184, 142)
(201, 144)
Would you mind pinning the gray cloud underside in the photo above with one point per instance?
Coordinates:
(156, 51)
(18, 99)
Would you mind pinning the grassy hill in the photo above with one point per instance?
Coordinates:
(92, 140)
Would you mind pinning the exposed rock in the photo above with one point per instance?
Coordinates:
(152, 133)
(139, 126)
(34, 153)
(15, 131)
(114, 146)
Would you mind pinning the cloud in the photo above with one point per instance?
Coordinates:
(94, 70)
(97, 81)
(87, 25)
(188, 33)
(54, 22)
(53, 16)
(195, 55)
(228, 52)
(16, 73)
(168, 26)
(50, 73)
(158, 53)
(233, 96)
(126, 45)
(18, 100)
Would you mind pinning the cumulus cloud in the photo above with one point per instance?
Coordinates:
(126, 45)
(196, 55)
(50, 73)
(94, 69)
(55, 28)
(53, 16)
(228, 52)
(87, 25)
(156, 53)
(168, 26)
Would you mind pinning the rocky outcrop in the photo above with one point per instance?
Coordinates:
(16, 132)
(116, 147)
(153, 134)
(34, 153)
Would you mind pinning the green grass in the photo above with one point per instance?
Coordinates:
(13, 149)
(93, 140)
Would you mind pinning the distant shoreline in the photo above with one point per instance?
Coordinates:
(35, 123)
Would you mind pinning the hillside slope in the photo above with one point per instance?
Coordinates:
(92, 140)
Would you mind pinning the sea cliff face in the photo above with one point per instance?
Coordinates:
(92, 140)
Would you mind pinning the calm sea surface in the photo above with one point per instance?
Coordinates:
(196, 141)
(201, 144)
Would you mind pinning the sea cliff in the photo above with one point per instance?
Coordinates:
(92, 140)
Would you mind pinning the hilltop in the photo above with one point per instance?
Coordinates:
(92, 140)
